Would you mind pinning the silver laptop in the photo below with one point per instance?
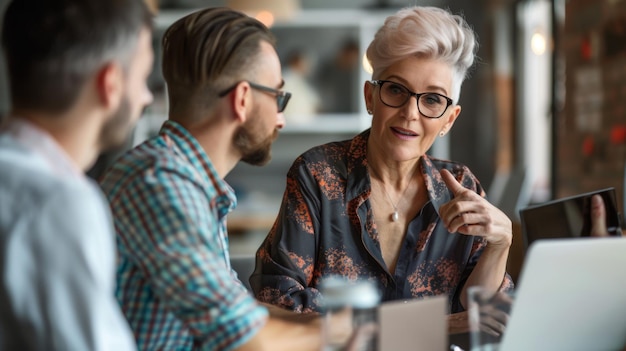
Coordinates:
(571, 296)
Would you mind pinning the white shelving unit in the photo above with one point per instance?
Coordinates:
(320, 124)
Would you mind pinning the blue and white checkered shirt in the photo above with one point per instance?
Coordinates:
(175, 283)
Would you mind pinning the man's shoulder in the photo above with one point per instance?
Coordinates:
(147, 161)
(15, 158)
(33, 195)
(25, 176)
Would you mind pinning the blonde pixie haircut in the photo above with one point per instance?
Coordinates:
(425, 32)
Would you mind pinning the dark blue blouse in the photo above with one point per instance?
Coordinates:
(325, 226)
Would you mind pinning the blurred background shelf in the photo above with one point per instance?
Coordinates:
(149, 125)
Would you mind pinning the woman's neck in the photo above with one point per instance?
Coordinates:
(397, 174)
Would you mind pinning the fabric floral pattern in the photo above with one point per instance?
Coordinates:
(325, 226)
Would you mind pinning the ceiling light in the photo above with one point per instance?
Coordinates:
(266, 11)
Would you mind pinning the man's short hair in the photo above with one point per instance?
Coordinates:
(207, 51)
(53, 47)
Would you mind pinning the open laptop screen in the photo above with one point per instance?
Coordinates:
(567, 217)
(570, 296)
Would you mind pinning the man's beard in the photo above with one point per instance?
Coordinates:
(116, 130)
(255, 148)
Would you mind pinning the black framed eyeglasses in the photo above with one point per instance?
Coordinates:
(282, 97)
(430, 105)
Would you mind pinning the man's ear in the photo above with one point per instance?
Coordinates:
(109, 85)
(241, 99)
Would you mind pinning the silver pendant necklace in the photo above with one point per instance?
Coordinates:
(395, 215)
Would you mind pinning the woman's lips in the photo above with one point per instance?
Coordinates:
(404, 134)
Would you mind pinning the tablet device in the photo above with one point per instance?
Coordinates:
(567, 217)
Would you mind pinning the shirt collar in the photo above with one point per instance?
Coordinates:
(438, 192)
(359, 181)
(192, 151)
(43, 144)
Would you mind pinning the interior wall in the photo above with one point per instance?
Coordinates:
(591, 126)
(473, 137)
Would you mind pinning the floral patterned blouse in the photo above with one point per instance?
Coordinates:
(326, 227)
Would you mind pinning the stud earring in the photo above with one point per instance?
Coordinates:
(442, 133)
(369, 112)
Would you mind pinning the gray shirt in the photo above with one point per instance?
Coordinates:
(58, 251)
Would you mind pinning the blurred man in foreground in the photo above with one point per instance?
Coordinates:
(77, 77)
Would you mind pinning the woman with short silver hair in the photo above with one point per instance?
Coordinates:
(378, 207)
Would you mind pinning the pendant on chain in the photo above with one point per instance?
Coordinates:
(395, 216)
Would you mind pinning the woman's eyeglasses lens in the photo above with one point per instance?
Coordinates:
(431, 105)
